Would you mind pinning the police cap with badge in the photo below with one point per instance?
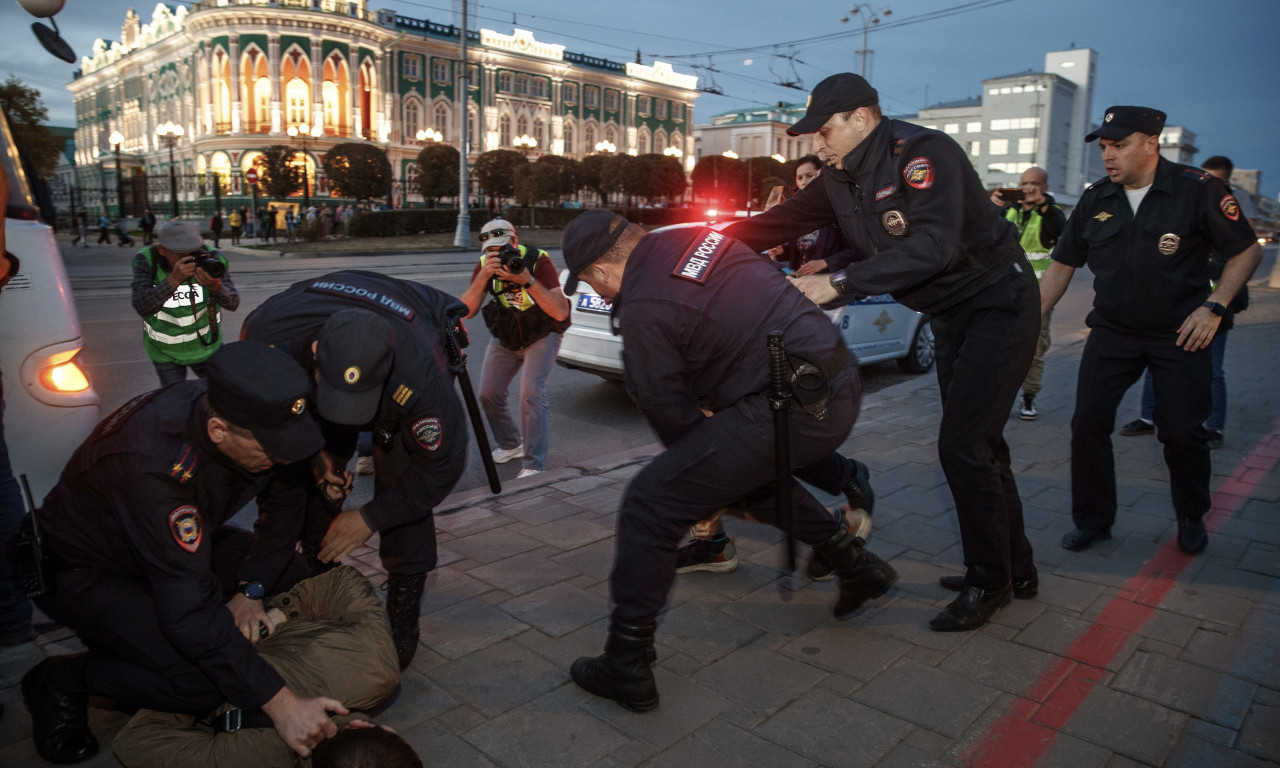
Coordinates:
(260, 388)
(1119, 122)
(844, 92)
(354, 354)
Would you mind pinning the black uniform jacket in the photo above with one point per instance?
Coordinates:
(910, 203)
(141, 498)
(696, 310)
(419, 405)
(1152, 270)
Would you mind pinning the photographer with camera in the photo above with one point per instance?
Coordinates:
(178, 287)
(527, 315)
(1040, 222)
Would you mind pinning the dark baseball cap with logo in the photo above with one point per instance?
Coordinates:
(1122, 121)
(262, 389)
(354, 353)
(586, 239)
(844, 92)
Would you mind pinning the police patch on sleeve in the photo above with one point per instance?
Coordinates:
(697, 262)
(1230, 208)
(428, 432)
(918, 173)
(184, 524)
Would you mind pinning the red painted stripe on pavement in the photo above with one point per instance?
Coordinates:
(1026, 731)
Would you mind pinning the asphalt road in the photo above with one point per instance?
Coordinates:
(590, 417)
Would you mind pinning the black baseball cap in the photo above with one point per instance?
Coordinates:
(586, 239)
(1122, 121)
(260, 388)
(844, 92)
(354, 353)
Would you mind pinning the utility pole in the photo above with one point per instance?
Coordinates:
(462, 237)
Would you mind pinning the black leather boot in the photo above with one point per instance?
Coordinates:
(404, 606)
(54, 691)
(863, 576)
(623, 672)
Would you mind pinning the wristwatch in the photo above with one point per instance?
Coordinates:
(1215, 308)
(253, 590)
(840, 281)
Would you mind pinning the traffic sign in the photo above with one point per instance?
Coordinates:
(251, 176)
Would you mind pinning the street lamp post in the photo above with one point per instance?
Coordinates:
(170, 133)
(117, 139)
(869, 17)
(525, 143)
(304, 133)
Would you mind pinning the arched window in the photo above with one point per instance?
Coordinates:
(642, 141)
(540, 133)
(589, 138)
(412, 119)
(568, 139)
(443, 119)
(522, 126)
(504, 131)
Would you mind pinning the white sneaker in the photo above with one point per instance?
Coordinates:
(527, 472)
(364, 465)
(503, 455)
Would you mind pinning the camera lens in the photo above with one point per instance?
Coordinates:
(211, 265)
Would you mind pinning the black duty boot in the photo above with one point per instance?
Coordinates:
(623, 672)
(863, 576)
(59, 705)
(404, 606)
(857, 489)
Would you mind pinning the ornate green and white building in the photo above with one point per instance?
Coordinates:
(238, 75)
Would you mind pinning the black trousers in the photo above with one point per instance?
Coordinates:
(1112, 361)
(984, 349)
(719, 463)
(130, 659)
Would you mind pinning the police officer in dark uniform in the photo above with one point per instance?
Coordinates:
(1146, 232)
(135, 553)
(696, 309)
(909, 198)
(377, 346)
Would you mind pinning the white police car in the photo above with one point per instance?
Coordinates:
(875, 329)
(49, 405)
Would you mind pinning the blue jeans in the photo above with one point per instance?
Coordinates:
(534, 364)
(1217, 388)
(15, 608)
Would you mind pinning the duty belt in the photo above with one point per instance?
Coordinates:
(236, 718)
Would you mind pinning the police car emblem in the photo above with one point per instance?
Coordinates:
(428, 432)
(184, 524)
(299, 406)
(1230, 208)
(351, 375)
(894, 223)
(919, 173)
(1169, 244)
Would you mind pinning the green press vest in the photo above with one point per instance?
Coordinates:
(1029, 239)
(180, 332)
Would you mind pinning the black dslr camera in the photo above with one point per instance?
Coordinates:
(512, 259)
(210, 264)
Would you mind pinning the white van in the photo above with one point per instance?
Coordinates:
(49, 405)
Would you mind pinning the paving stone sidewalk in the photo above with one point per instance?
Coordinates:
(1132, 654)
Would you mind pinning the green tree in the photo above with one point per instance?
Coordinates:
(495, 170)
(535, 184)
(719, 178)
(657, 177)
(27, 117)
(765, 175)
(590, 170)
(619, 174)
(564, 175)
(279, 173)
(358, 169)
(438, 171)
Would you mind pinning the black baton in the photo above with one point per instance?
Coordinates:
(780, 403)
(458, 366)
